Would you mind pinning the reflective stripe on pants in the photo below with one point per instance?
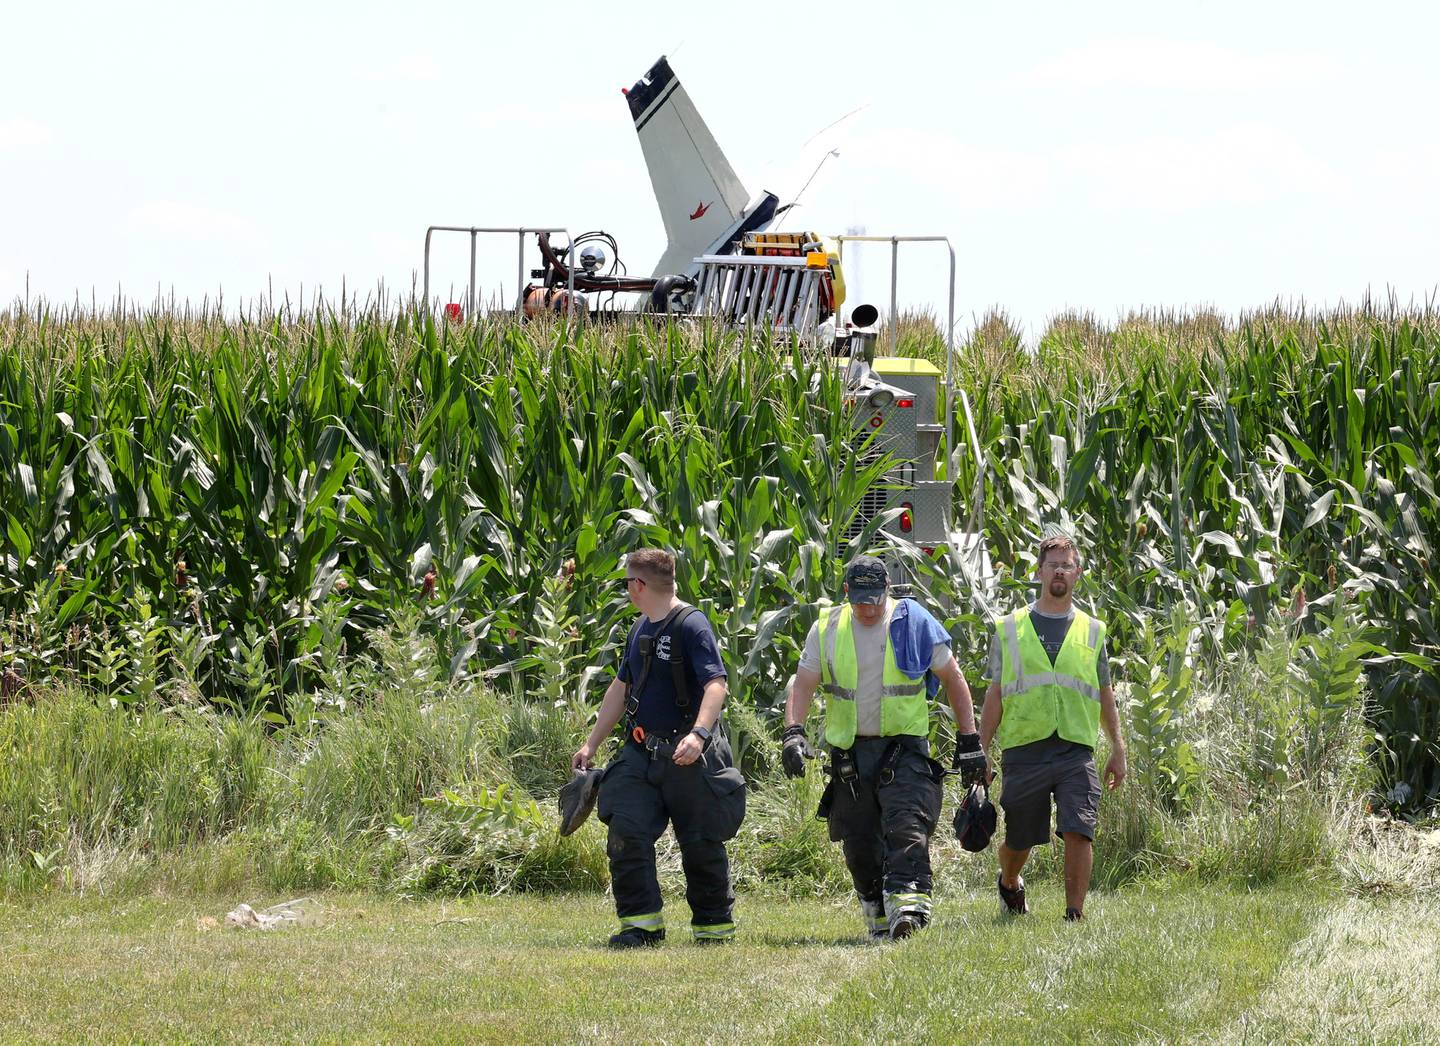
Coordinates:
(649, 921)
(885, 829)
(713, 931)
(907, 903)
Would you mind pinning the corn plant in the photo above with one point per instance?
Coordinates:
(1159, 706)
(237, 476)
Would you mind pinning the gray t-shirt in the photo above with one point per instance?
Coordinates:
(1050, 629)
(869, 666)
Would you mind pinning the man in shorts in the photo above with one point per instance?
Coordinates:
(1049, 694)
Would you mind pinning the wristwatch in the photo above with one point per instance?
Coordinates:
(703, 734)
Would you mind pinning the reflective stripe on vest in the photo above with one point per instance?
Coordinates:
(1040, 699)
(904, 708)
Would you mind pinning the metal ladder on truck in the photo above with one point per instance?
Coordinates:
(792, 292)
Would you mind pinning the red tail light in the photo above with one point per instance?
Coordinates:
(904, 403)
(907, 517)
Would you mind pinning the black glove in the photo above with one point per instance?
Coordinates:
(793, 754)
(969, 759)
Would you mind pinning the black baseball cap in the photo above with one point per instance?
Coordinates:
(867, 580)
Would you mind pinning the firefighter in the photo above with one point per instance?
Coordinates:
(879, 661)
(1048, 696)
(675, 765)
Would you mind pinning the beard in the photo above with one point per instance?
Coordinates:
(1059, 587)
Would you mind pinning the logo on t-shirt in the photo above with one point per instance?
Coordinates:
(662, 647)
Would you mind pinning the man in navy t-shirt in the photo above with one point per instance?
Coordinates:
(675, 767)
(659, 710)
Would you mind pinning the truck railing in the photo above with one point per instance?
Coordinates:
(519, 233)
(759, 290)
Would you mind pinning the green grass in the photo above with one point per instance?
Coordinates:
(430, 787)
(1368, 972)
(1159, 964)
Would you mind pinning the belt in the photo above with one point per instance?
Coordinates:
(887, 738)
(657, 745)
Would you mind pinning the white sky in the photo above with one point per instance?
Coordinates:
(1101, 156)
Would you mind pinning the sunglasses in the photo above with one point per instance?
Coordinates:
(624, 582)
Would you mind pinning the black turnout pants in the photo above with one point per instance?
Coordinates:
(886, 824)
(705, 801)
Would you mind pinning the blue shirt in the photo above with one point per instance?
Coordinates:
(658, 713)
(914, 634)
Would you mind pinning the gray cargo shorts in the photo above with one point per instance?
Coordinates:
(1026, 789)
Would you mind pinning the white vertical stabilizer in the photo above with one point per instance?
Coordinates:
(701, 200)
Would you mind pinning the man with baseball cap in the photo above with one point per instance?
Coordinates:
(878, 662)
(1048, 696)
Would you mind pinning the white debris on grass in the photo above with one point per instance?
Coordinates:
(275, 917)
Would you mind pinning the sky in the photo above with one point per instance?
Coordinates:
(1100, 157)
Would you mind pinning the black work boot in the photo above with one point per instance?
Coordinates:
(1012, 902)
(634, 937)
(903, 926)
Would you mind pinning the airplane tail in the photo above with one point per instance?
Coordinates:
(701, 200)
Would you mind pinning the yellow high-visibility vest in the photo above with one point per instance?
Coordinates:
(1040, 699)
(904, 708)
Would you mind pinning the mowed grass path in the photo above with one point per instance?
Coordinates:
(1156, 964)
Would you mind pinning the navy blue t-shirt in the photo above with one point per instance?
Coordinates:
(658, 712)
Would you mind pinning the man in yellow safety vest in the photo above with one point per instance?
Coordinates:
(879, 661)
(1049, 694)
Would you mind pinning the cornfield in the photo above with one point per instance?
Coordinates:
(202, 509)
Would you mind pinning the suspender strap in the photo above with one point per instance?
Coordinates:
(677, 658)
(675, 619)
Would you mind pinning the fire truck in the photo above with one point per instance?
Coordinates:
(724, 264)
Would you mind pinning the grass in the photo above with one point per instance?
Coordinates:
(424, 786)
(1150, 963)
(127, 829)
(1170, 963)
(1368, 972)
